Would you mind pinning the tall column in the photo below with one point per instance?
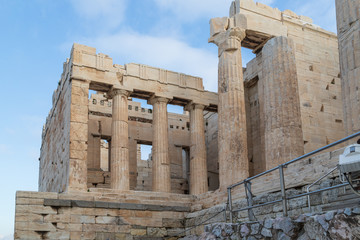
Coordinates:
(348, 26)
(232, 135)
(198, 167)
(160, 148)
(119, 166)
(282, 117)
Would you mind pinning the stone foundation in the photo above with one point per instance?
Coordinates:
(100, 215)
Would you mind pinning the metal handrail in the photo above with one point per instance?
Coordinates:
(282, 180)
(308, 188)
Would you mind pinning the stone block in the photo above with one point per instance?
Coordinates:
(23, 194)
(29, 201)
(106, 220)
(35, 226)
(82, 219)
(156, 232)
(35, 209)
(29, 235)
(138, 232)
(57, 202)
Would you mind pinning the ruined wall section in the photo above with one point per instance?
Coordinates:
(347, 13)
(54, 152)
(317, 66)
(318, 71)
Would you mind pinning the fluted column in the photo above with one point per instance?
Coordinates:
(283, 132)
(232, 136)
(119, 166)
(198, 167)
(160, 148)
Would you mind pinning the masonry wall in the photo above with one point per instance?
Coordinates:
(348, 25)
(54, 152)
(99, 215)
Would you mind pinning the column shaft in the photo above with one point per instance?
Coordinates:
(348, 26)
(283, 132)
(198, 167)
(160, 149)
(120, 141)
(232, 136)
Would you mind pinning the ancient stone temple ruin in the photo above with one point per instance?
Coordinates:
(294, 97)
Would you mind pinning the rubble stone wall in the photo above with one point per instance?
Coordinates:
(341, 225)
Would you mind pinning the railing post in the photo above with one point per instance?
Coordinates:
(249, 200)
(283, 190)
(230, 205)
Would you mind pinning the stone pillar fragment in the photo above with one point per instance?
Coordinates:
(198, 166)
(160, 148)
(232, 138)
(348, 25)
(119, 166)
(283, 132)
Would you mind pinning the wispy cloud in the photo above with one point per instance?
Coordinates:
(108, 13)
(321, 11)
(190, 10)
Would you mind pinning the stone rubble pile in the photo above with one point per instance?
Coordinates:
(340, 224)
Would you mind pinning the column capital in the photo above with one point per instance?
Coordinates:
(190, 106)
(114, 92)
(230, 39)
(155, 99)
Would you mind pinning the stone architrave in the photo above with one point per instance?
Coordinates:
(282, 116)
(232, 136)
(119, 166)
(160, 146)
(198, 165)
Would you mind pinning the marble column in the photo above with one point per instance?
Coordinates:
(160, 146)
(282, 117)
(119, 141)
(232, 135)
(198, 166)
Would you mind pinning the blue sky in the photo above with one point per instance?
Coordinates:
(36, 38)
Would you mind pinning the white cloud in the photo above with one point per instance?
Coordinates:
(321, 11)
(164, 52)
(190, 10)
(108, 13)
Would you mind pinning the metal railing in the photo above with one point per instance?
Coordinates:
(284, 198)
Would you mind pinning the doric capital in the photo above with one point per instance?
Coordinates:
(155, 99)
(114, 92)
(229, 39)
(191, 106)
